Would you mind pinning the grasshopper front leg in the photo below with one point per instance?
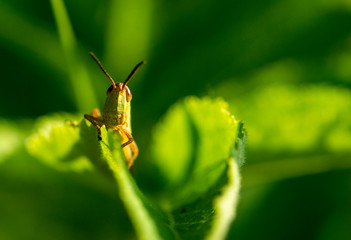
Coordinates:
(95, 119)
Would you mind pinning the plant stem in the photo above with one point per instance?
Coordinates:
(83, 91)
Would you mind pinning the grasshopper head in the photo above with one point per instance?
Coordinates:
(119, 88)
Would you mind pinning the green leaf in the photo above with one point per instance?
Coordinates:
(193, 147)
(212, 213)
(302, 129)
(149, 222)
(209, 208)
(10, 138)
(59, 144)
(200, 193)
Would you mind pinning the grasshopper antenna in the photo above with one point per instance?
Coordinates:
(103, 69)
(132, 73)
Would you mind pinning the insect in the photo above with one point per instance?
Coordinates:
(116, 113)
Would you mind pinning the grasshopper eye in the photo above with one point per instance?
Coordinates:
(128, 94)
(109, 90)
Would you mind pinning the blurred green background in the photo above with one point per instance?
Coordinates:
(283, 66)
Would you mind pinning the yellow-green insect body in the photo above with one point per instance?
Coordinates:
(116, 114)
(117, 108)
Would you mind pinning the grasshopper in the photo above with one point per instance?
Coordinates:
(116, 113)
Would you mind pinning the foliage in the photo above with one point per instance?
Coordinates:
(204, 197)
(282, 66)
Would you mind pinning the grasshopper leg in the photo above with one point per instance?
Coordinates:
(134, 149)
(96, 122)
(129, 148)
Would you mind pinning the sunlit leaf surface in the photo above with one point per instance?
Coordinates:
(205, 190)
